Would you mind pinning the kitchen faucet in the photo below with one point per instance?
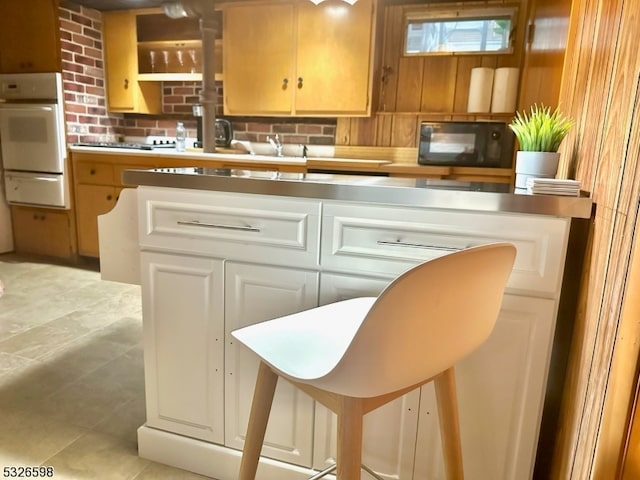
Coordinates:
(275, 143)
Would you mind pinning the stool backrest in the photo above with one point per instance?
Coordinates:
(425, 321)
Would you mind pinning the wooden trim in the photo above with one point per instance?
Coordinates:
(627, 354)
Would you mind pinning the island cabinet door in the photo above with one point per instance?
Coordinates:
(254, 293)
(501, 389)
(183, 334)
(389, 438)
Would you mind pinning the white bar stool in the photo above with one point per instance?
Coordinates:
(356, 355)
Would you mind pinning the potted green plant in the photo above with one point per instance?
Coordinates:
(539, 133)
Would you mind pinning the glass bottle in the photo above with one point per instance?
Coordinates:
(181, 137)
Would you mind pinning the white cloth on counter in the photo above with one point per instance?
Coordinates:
(553, 186)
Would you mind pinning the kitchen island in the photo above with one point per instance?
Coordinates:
(217, 249)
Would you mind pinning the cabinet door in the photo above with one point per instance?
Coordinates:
(333, 58)
(389, 437)
(255, 293)
(42, 231)
(91, 201)
(29, 36)
(183, 344)
(501, 388)
(258, 45)
(120, 66)
(124, 92)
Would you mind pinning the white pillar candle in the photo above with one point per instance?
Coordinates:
(480, 87)
(505, 90)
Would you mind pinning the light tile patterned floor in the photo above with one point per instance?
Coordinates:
(71, 373)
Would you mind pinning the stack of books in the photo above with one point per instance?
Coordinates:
(553, 186)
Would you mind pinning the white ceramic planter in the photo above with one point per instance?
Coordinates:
(535, 165)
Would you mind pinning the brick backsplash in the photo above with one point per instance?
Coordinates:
(88, 120)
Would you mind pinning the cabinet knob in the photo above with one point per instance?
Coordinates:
(285, 83)
(300, 80)
(109, 197)
(126, 83)
(92, 171)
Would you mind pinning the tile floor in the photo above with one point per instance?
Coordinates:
(71, 373)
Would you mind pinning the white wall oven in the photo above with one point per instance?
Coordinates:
(32, 139)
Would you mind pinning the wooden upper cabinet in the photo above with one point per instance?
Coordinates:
(297, 58)
(258, 41)
(125, 93)
(334, 57)
(544, 53)
(29, 36)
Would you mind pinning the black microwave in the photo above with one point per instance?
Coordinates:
(466, 144)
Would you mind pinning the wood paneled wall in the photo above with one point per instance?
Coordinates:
(412, 89)
(600, 89)
(415, 88)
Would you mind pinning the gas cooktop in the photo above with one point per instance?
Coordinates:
(126, 145)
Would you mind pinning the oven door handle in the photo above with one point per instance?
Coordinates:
(30, 178)
(25, 107)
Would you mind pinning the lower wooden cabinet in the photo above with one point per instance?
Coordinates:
(91, 201)
(97, 185)
(43, 231)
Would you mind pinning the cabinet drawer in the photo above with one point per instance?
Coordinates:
(232, 226)
(94, 173)
(389, 240)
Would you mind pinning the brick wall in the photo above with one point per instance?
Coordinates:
(85, 97)
(83, 76)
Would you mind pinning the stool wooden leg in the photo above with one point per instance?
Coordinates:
(447, 401)
(260, 409)
(349, 457)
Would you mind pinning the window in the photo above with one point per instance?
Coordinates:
(461, 31)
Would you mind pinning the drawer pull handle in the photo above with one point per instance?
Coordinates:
(196, 223)
(418, 245)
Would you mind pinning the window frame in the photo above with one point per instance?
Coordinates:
(435, 13)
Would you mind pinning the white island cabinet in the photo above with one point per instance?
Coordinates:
(213, 261)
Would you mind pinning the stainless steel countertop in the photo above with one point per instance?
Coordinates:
(427, 193)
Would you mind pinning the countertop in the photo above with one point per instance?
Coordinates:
(424, 193)
(190, 154)
(348, 159)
